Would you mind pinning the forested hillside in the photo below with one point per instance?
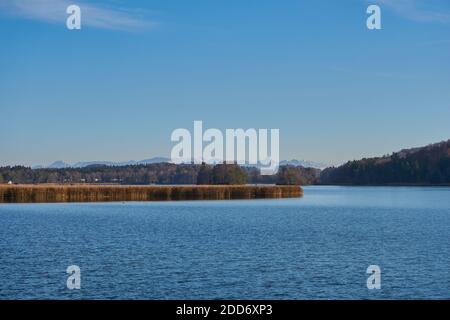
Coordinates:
(428, 165)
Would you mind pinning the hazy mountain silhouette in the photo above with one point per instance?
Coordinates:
(82, 164)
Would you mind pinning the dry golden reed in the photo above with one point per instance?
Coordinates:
(103, 193)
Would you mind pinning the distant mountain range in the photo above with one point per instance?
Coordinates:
(429, 165)
(303, 163)
(59, 164)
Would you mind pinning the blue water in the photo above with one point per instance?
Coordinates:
(316, 247)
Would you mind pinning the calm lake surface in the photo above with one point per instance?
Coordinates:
(316, 247)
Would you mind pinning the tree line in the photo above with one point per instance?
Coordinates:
(159, 173)
(428, 165)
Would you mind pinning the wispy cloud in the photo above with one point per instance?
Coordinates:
(92, 15)
(419, 10)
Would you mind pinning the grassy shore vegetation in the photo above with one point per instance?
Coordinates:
(92, 193)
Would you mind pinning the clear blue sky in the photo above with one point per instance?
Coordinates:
(137, 70)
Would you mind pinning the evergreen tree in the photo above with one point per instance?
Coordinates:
(205, 174)
(288, 175)
(229, 174)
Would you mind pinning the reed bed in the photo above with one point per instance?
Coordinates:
(47, 193)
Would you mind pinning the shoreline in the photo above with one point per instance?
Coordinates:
(383, 185)
(59, 193)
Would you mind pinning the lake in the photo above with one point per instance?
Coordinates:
(315, 247)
